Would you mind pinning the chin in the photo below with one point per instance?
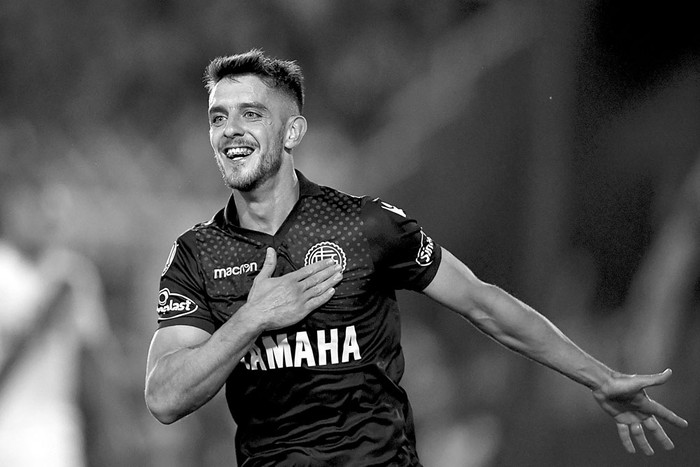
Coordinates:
(241, 183)
(243, 186)
(248, 178)
(245, 181)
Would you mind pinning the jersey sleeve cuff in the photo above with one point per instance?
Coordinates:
(200, 323)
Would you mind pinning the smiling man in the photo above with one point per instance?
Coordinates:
(248, 122)
(287, 297)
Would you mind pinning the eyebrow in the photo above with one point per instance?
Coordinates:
(244, 105)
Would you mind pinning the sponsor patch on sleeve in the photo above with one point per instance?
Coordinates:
(173, 305)
(425, 252)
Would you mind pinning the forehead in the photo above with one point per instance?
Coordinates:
(244, 88)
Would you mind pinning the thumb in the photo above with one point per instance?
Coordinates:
(659, 378)
(270, 263)
(640, 382)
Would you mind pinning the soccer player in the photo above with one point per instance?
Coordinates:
(287, 297)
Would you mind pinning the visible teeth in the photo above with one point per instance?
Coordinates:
(238, 152)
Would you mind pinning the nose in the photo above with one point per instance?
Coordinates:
(233, 127)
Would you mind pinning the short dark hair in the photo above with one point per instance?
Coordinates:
(285, 75)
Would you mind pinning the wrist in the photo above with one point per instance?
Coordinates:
(601, 378)
(250, 318)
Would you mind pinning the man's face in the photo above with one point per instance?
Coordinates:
(247, 125)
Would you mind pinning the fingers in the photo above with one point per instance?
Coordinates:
(633, 434)
(320, 300)
(320, 287)
(636, 414)
(322, 275)
(634, 431)
(637, 433)
(311, 269)
(269, 265)
(656, 430)
(327, 279)
(656, 409)
(623, 431)
(313, 283)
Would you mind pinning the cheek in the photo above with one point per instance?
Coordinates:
(212, 138)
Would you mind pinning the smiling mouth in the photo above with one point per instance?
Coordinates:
(237, 153)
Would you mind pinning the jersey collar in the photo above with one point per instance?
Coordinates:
(306, 188)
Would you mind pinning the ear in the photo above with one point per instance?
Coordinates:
(296, 129)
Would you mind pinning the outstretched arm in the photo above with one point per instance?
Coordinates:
(522, 329)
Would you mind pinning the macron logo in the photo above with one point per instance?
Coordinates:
(223, 273)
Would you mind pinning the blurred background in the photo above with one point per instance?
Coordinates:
(553, 146)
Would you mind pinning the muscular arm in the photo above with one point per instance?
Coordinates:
(522, 329)
(512, 323)
(187, 366)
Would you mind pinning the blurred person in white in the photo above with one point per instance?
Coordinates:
(287, 297)
(42, 334)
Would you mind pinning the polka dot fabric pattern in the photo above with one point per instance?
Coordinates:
(334, 375)
(223, 258)
(334, 218)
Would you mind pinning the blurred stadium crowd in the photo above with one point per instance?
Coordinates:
(553, 146)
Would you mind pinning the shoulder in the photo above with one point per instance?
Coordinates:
(189, 237)
(380, 217)
(380, 208)
(339, 198)
(184, 250)
(217, 222)
(377, 217)
(329, 206)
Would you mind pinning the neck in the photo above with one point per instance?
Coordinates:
(266, 208)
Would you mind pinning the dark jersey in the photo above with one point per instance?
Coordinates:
(324, 391)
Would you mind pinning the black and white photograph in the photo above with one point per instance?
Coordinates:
(295, 233)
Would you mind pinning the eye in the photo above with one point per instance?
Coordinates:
(217, 120)
(251, 114)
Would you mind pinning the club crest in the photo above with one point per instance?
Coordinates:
(325, 250)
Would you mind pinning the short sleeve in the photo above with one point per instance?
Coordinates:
(403, 254)
(182, 298)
